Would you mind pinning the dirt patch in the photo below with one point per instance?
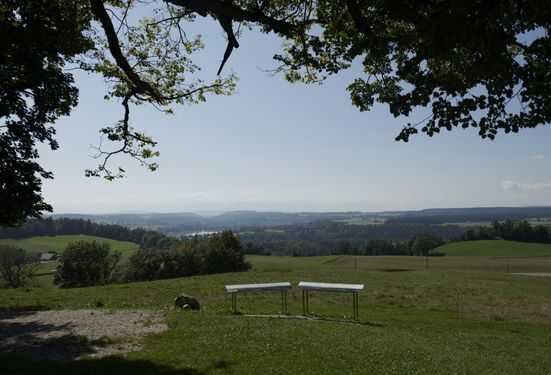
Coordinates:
(72, 334)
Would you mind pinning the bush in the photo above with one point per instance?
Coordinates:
(422, 244)
(225, 254)
(86, 263)
(154, 264)
(219, 253)
(144, 265)
(17, 266)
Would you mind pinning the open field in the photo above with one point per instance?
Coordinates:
(411, 320)
(361, 221)
(496, 248)
(58, 243)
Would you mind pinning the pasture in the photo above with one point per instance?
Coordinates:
(43, 244)
(496, 248)
(464, 315)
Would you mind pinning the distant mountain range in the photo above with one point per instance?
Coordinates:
(187, 222)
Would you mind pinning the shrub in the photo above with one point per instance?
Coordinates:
(144, 265)
(86, 263)
(225, 254)
(17, 266)
(219, 253)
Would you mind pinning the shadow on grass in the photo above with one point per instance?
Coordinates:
(313, 317)
(13, 364)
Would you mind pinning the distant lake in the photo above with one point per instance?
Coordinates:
(188, 234)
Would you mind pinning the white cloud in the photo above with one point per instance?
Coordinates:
(538, 156)
(510, 185)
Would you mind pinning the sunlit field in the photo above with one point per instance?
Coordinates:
(461, 315)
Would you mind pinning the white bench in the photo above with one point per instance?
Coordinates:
(239, 288)
(330, 287)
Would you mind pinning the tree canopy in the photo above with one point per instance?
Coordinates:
(479, 64)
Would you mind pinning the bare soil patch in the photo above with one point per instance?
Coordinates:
(72, 334)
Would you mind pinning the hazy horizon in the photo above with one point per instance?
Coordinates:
(218, 212)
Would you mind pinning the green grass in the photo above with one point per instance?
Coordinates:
(44, 244)
(495, 248)
(411, 323)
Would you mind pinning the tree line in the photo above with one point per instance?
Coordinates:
(323, 230)
(88, 263)
(421, 244)
(521, 231)
(64, 226)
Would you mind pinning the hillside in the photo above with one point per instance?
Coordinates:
(410, 323)
(495, 248)
(58, 243)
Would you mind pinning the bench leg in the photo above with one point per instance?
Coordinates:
(303, 303)
(356, 305)
(283, 302)
(234, 302)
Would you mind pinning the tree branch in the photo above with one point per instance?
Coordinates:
(221, 9)
(101, 13)
(359, 20)
(226, 24)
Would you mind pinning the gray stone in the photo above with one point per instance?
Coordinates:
(187, 302)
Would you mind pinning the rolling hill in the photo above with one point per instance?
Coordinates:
(495, 248)
(58, 243)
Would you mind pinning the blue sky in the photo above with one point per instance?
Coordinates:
(276, 146)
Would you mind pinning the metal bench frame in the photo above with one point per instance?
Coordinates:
(330, 287)
(240, 288)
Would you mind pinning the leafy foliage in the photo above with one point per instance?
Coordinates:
(34, 93)
(423, 244)
(219, 253)
(510, 230)
(87, 263)
(17, 267)
(481, 64)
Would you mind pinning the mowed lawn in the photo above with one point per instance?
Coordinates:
(496, 248)
(443, 320)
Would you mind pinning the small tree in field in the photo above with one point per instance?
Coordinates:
(17, 266)
(86, 263)
(225, 254)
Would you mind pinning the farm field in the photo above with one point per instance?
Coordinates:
(449, 319)
(361, 221)
(496, 248)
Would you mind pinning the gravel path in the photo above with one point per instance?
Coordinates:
(72, 334)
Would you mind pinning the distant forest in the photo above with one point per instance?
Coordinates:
(383, 239)
(521, 231)
(330, 237)
(63, 226)
(320, 237)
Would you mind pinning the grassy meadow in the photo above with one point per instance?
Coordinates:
(496, 248)
(43, 244)
(462, 315)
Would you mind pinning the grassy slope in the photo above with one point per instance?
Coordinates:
(411, 321)
(58, 243)
(496, 248)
